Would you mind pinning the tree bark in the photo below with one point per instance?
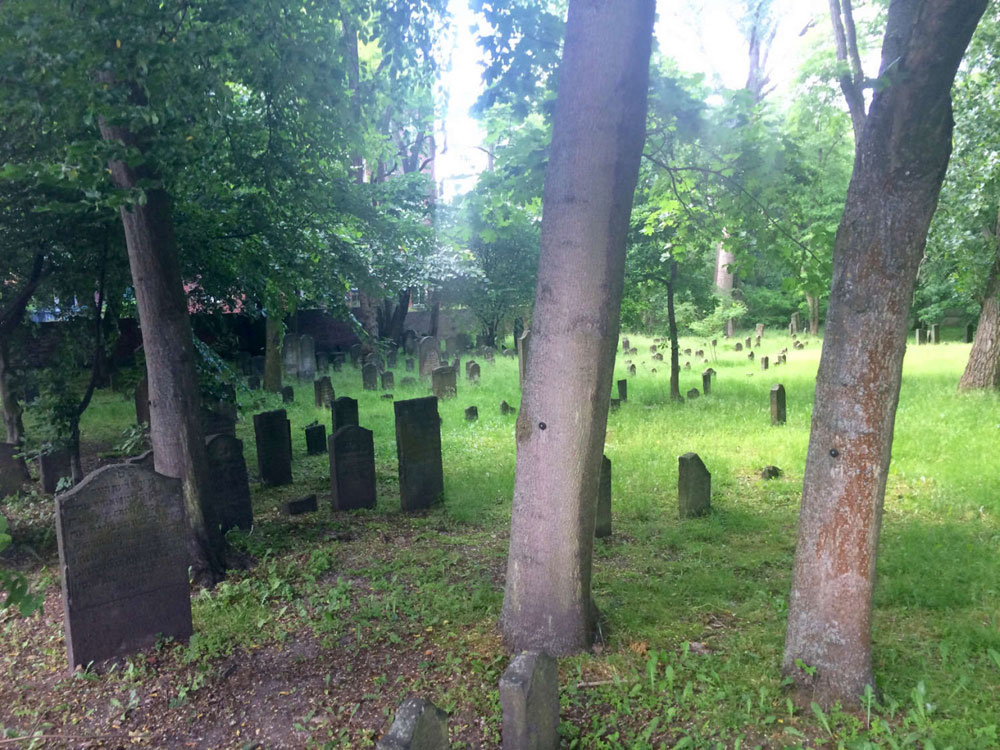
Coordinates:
(598, 132)
(12, 422)
(273, 334)
(369, 322)
(983, 368)
(675, 358)
(10, 318)
(900, 162)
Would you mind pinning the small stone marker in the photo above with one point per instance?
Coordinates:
(315, 439)
(474, 372)
(687, 352)
(602, 528)
(344, 412)
(124, 561)
(652, 349)
(471, 414)
(777, 404)
(419, 725)
(747, 342)
(429, 352)
(352, 468)
(706, 381)
(969, 331)
(764, 362)
(387, 381)
(302, 505)
(13, 471)
(694, 487)
(693, 393)
(323, 392)
(228, 483)
(770, 472)
(506, 408)
(369, 377)
(658, 356)
(738, 347)
(614, 404)
(52, 467)
(750, 356)
(444, 382)
(623, 390)
(529, 698)
(142, 401)
(274, 447)
(287, 395)
(418, 448)
(631, 370)
(625, 345)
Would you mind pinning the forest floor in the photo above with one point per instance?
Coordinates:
(343, 615)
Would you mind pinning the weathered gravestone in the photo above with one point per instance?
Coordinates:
(419, 725)
(759, 330)
(274, 447)
(142, 401)
(764, 362)
(602, 528)
(390, 357)
(323, 393)
(706, 381)
(444, 382)
(529, 698)
(506, 408)
(523, 355)
(747, 342)
(795, 325)
(694, 486)
(778, 404)
(471, 414)
(750, 356)
(315, 439)
(290, 355)
(287, 395)
(13, 471)
(625, 345)
(369, 377)
(473, 370)
(123, 557)
(738, 347)
(344, 412)
(935, 337)
(53, 466)
(631, 370)
(429, 354)
(338, 361)
(352, 468)
(307, 358)
(410, 364)
(730, 331)
(623, 390)
(300, 506)
(355, 353)
(228, 483)
(388, 381)
(693, 393)
(418, 448)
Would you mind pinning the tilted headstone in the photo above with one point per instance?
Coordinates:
(969, 331)
(13, 471)
(369, 377)
(694, 486)
(287, 394)
(345, 412)
(429, 354)
(706, 382)
(764, 362)
(658, 356)
(388, 381)
(302, 505)
(352, 468)
(418, 448)
(290, 355)
(523, 354)
(750, 356)
(274, 448)
(602, 528)
(315, 439)
(444, 382)
(123, 556)
(142, 401)
(652, 349)
(471, 414)
(687, 365)
(529, 699)
(323, 393)
(229, 488)
(419, 725)
(52, 467)
(778, 404)
(623, 390)
(307, 358)
(747, 342)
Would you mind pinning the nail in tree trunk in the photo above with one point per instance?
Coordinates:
(274, 332)
(598, 132)
(900, 162)
(983, 368)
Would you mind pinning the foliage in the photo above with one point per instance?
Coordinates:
(13, 585)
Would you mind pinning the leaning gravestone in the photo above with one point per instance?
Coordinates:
(631, 370)
(410, 341)
(352, 468)
(369, 377)
(419, 725)
(142, 401)
(694, 486)
(274, 447)
(13, 471)
(603, 526)
(228, 483)
(124, 562)
(323, 392)
(344, 412)
(623, 390)
(307, 358)
(778, 404)
(706, 381)
(315, 439)
(52, 467)
(693, 393)
(529, 699)
(418, 448)
(444, 382)
(429, 354)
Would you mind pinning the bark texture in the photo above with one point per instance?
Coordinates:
(900, 162)
(598, 132)
(983, 368)
(12, 421)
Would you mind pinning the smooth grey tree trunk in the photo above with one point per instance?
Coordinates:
(598, 133)
(900, 162)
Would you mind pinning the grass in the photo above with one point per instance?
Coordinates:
(693, 612)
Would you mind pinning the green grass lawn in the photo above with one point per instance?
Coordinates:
(692, 612)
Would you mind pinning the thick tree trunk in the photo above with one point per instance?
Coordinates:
(899, 165)
(598, 133)
(813, 302)
(273, 334)
(675, 358)
(369, 322)
(396, 326)
(174, 398)
(11, 317)
(983, 368)
(12, 421)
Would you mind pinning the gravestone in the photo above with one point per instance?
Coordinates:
(290, 355)
(474, 372)
(652, 349)
(388, 381)
(257, 365)
(122, 536)
(687, 352)
(778, 404)
(315, 439)
(410, 364)
(352, 468)
(228, 483)
(338, 361)
(52, 467)
(730, 328)
(687, 365)
(529, 699)
(770, 472)
(747, 342)
(471, 414)
(489, 354)
(631, 370)
(323, 393)
(750, 356)
(658, 356)
(614, 404)
(706, 382)
(302, 505)
(625, 345)
(274, 447)
(456, 365)
(800, 345)
(13, 471)
(602, 528)
(794, 325)
(253, 383)
(428, 355)
(759, 330)
(218, 418)
(410, 341)
(756, 341)
(355, 354)
(369, 377)
(523, 354)
(142, 401)
(506, 408)
(444, 382)
(418, 448)
(700, 353)
(307, 358)
(623, 390)
(287, 394)
(322, 363)
(738, 347)
(764, 362)
(969, 331)
(345, 412)
(693, 393)
(419, 725)
(935, 337)
(694, 486)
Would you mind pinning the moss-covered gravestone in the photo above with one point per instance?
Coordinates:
(352, 468)
(418, 448)
(694, 487)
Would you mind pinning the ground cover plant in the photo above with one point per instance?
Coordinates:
(342, 615)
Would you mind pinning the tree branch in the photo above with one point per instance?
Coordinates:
(11, 316)
(852, 78)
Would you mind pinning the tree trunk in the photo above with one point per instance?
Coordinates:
(899, 165)
(174, 398)
(396, 326)
(369, 322)
(813, 302)
(675, 363)
(598, 132)
(983, 368)
(436, 314)
(273, 333)
(10, 318)
(12, 421)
